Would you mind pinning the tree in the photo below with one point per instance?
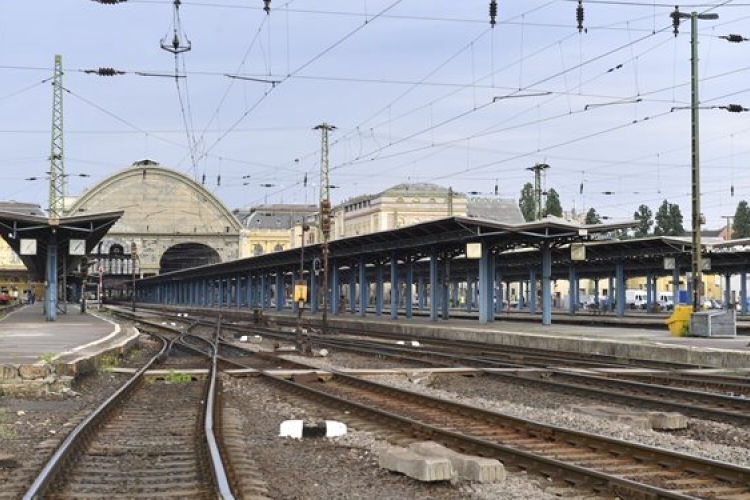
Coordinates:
(527, 203)
(553, 206)
(675, 219)
(669, 220)
(643, 216)
(741, 226)
(592, 217)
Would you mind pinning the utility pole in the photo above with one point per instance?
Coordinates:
(538, 169)
(695, 184)
(325, 212)
(57, 165)
(729, 226)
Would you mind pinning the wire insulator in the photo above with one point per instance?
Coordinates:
(493, 12)
(735, 108)
(579, 15)
(105, 72)
(734, 38)
(675, 20)
(267, 6)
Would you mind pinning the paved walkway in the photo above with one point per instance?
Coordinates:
(27, 337)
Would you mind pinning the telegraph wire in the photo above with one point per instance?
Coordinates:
(325, 51)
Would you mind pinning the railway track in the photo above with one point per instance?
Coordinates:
(609, 467)
(721, 399)
(150, 439)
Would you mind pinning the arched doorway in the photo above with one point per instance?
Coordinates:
(185, 255)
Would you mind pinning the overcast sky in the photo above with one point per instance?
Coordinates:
(409, 85)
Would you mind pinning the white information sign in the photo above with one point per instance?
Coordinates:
(77, 247)
(28, 247)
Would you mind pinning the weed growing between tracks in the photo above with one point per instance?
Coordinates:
(5, 431)
(177, 378)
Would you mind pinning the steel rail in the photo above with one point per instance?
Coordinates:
(217, 462)
(602, 481)
(59, 458)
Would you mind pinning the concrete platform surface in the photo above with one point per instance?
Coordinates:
(26, 337)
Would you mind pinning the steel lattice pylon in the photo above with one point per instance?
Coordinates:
(57, 165)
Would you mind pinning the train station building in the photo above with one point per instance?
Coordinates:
(170, 223)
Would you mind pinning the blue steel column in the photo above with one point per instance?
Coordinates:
(469, 290)
(743, 291)
(499, 298)
(221, 293)
(352, 290)
(650, 291)
(572, 287)
(364, 287)
(335, 289)
(379, 289)
(620, 287)
(249, 290)
(486, 285)
(454, 293)
(50, 305)
(433, 285)
(611, 285)
(280, 295)
(314, 292)
(521, 296)
(676, 284)
(408, 295)
(546, 285)
(532, 289)
(238, 291)
(444, 285)
(394, 286)
(263, 291)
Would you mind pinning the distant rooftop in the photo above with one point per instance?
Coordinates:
(22, 208)
(276, 216)
(495, 209)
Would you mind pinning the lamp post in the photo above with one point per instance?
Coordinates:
(697, 217)
(300, 292)
(133, 258)
(302, 282)
(696, 261)
(697, 264)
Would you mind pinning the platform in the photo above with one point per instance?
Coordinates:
(30, 345)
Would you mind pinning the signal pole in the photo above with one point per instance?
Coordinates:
(538, 169)
(325, 212)
(57, 165)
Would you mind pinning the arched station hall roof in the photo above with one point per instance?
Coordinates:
(158, 200)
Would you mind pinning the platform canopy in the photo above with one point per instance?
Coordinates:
(450, 234)
(31, 236)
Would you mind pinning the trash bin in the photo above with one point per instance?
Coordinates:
(679, 321)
